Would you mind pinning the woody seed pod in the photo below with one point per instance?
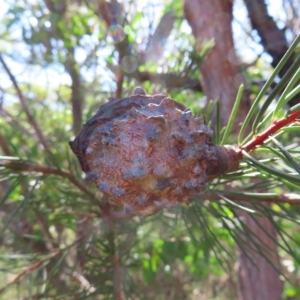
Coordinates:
(147, 152)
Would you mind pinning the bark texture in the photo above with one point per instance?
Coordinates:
(220, 74)
(272, 38)
(260, 281)
(76, 88)
(220, 78)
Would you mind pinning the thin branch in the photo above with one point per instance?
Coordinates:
(158, 40)
(120, 80)
(12, 121)
(76, 89)
(261, 138)
(21, 97)
(38, 264)
(25, 166)
(83, 282)
(272, 38)
(170, 80)
(29, 270)
(118, 276)
(46, 232)
(4, 146)
(103, 11)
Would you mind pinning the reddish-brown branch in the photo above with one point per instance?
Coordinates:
(120, 79)
(21, 97)
(29, 269)
(118, 276)
(106, 209)
(23, 166)
(275, 127)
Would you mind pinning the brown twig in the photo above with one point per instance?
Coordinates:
(118, 276)
(38, 264)
(117, 265)
(171, 80)
(12, 121)
(106, 209)
(29, 269)
(4, 146)
(24, 166)
(76, 90)
(46, 232)
(275, 127)
(120, 79)
(21, 97)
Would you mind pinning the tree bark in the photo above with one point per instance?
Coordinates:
(260, 281)
(220, 78)
(76, 90)
(220, 74)
(272, 38)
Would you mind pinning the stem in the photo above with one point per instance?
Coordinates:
(120, 80)
(76, 89)
(226, 160)
(29, 270)
(4, 146)
(23, 166)
(21, 97)
(277, 125)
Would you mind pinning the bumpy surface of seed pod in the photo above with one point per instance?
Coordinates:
(145, 152)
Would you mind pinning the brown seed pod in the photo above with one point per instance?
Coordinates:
(147, 152)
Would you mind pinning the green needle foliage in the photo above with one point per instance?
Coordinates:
(233, 115)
